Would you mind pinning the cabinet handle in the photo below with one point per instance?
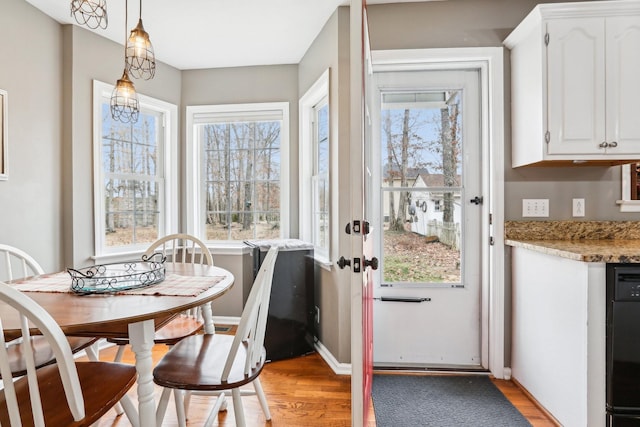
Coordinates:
(613, 144)
(604, 144)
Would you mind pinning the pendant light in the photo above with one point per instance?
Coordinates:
(141, 61)
(124, 99)
(92, 13)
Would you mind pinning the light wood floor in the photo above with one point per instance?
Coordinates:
(302, 392)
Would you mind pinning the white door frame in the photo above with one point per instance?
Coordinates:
(490, 63)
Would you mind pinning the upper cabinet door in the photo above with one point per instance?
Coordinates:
(576, 86)
(623, 84)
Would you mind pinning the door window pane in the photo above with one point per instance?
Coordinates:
(421, 188)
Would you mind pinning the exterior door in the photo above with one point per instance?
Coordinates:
(427, 159)
(360, 238)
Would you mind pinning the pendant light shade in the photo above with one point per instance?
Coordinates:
(124, 101)
(141, 61)
(92, 13)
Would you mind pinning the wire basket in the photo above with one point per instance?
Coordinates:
(116, 277)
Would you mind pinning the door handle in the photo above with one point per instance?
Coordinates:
(476, 200)
(373, 263)
(343, 262)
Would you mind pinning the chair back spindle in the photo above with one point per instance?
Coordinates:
(32, 314)
(252, 326)
(16, 258)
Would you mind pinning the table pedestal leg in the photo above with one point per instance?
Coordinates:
(141, 337)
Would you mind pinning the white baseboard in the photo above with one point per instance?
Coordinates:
(337, 367)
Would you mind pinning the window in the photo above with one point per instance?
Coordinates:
(238, 171)
(132, 163)
(314, 167)
(630, 200)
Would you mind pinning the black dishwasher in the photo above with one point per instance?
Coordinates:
(623, 345)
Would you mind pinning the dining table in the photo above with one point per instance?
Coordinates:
(134, 314)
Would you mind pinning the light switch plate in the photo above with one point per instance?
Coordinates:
(535, 207)
(578, 207)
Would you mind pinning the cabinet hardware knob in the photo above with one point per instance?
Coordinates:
(613, 144)
(603, 144)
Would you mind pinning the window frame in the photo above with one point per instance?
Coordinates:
(168, 196)
(197, 115)
(626, 203)
(315, 95)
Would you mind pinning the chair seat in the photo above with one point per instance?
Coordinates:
(103, 384)
(178, 328)
(42, 352)
(196, 363)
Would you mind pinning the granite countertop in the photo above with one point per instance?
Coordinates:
(588, 241)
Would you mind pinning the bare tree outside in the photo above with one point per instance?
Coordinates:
(421, 155)
(130, 158)
(242, 176)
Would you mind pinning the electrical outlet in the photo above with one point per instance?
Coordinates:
(535, 207)
(317, 315)
(578, 207)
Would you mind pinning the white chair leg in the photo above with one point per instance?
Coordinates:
(162, 405)
(178, 396)
(130, 410)
(186, 401)
(92, 352)
(118, 407)
(213, 415)
(262, 398)
(237, 407)
(119, 354)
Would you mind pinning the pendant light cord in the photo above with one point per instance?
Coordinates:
(126, 18)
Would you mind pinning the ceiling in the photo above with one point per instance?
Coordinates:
(192, 34)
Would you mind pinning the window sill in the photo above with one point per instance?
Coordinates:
(117, 256)
(629, 205)
(324, 263)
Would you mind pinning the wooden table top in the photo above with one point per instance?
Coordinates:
(108, 315)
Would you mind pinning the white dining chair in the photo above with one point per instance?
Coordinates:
(67, 393)
(17, 264)
(177, 249)
(214, 363)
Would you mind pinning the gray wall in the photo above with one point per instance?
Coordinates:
(331, 50)
(31, 72)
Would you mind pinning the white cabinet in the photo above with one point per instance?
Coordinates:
(558, 347)
(575, 90)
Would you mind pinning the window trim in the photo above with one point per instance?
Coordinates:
(168, 221)
(625, 202)
(316, 93)
(195, 114)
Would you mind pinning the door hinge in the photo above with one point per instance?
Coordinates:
(547, 137)
(490, 219)
(546, 39)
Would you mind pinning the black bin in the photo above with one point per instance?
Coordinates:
(291, 319)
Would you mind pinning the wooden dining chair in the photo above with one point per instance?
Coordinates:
(177, 248)
(214, 363)
(67, 393)
(17, 264)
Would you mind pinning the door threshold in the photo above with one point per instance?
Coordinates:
(449, 370)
